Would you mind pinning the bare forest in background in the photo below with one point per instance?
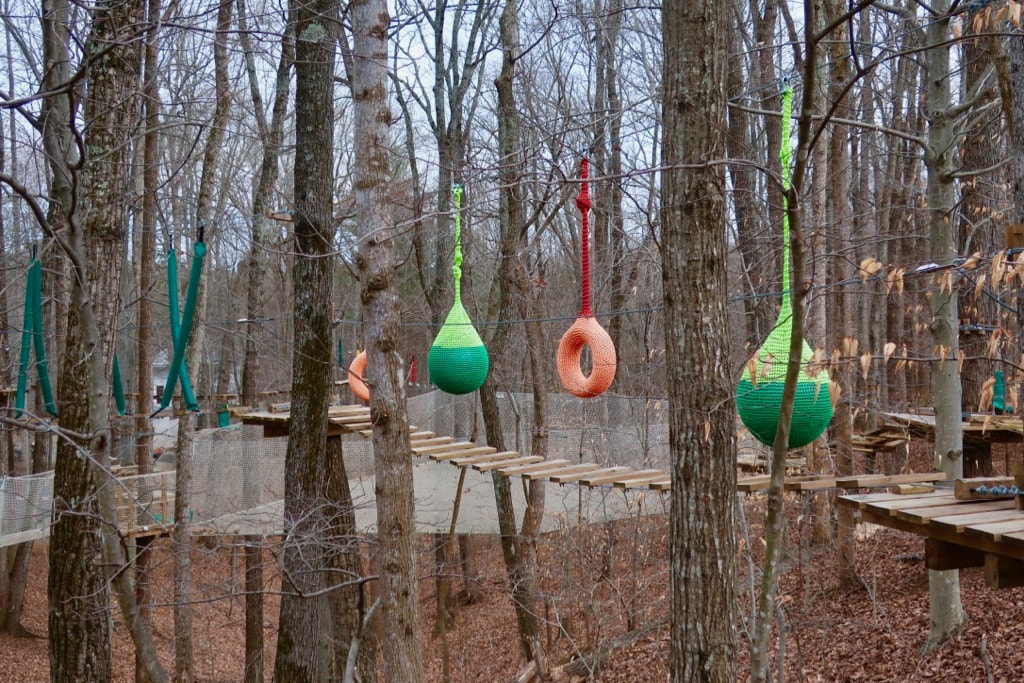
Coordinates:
(311, 150)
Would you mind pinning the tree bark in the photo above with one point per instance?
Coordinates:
(302, 656)
(702, 425)
(375, 259)
(946, 615)
(86, 554)
(146, 227)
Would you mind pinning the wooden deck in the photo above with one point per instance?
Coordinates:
(958, 534)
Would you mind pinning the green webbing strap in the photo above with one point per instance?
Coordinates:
(32, 337)
(118, 387)
(183, 330)
(39, 341)
(341, 354)
(26, 347)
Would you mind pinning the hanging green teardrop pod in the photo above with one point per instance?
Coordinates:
(458, 360)
(759, 394)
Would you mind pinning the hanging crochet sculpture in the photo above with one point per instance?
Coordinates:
(586, 331)
(458, 360)
(759, 394)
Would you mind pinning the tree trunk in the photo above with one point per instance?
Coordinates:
(702, 425)
(345, 563)
(513, 285)
(146, 227)
(946, 615)
(842, 327)
(302, 655)
(183, 646)
(402, 660)
(86, 553)
(260, 238)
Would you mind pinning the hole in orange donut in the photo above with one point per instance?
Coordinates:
(355, 377)
(586, 333)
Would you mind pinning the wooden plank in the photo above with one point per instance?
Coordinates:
(432, 441)
(908, 489)
(869, 480)
(891, 507)
(569, 478)
(942, 556)
(568, 468)
(536, 467)
(508, 463)
(421, 436)
(995, 530)
(1003, 572)
(631, 481)
(604, 480)
(922, 515)
(809, 484)
(958, 522)
(863, 499)
(466, 452)
(487, 457)
(656, 485)
(749, 484)
(441, 448)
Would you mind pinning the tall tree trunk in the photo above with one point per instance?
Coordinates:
(841, 327)
(702, 425)
(302, 656)
(181, 536)
(86, 553)
(514, 284)
(271, 133)
(402, 660)
(946, 615)
(147, 227)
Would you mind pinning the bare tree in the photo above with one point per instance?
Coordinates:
(402, 660)
(946, 613)
(83, 496)
(301, 654)
(702, 424)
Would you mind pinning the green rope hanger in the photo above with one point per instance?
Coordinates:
(759, 394)
(181, 331)
(458, 360)
(32, 338)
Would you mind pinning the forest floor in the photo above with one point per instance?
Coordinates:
(871, 633)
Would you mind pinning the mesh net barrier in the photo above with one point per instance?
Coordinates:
(236, 470)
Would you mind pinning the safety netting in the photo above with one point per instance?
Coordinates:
(238, 474)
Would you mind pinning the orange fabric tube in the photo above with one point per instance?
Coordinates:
(586, 331)
(355, 377)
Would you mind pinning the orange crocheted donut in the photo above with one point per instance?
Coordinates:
(355, 377)
(586, 331)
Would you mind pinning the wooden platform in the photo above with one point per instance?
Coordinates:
(958, 534)
(461, 453)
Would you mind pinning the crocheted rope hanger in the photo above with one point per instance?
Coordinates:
(586, 331)
(458, 361)
(759, 394)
